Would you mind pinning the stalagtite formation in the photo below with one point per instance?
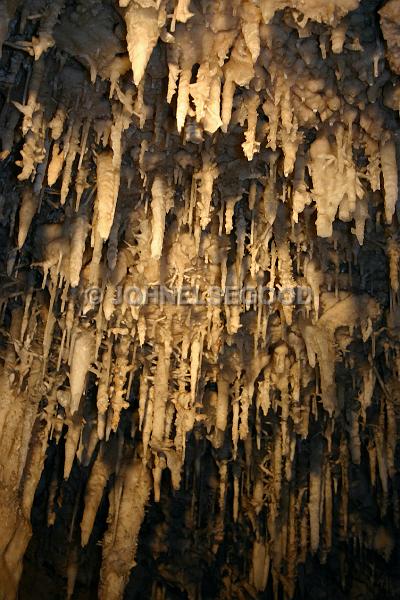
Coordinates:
(200, 352)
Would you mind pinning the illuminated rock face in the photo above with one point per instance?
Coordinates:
(200, 347)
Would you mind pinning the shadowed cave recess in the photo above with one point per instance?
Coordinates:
(199, 300)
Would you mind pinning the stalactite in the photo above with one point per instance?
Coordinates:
(121, 540)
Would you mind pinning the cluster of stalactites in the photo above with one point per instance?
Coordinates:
(208, 145)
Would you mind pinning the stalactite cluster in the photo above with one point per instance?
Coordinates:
(162, 434)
